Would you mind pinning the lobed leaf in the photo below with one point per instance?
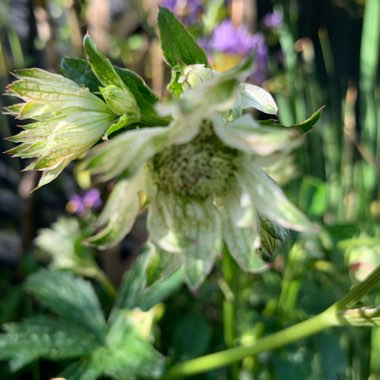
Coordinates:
(43, 337)
(70, 297)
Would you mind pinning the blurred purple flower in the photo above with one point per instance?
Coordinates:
(261, 50)
(78, 204)
(272, 20)
(188, 11)
(228, 39)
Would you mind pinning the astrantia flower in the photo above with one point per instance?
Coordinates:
(68, 120)
(201, 176)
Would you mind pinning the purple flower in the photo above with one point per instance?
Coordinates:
(188, 11)
(78, 204)
(272, 20)
(261, 55)
(227, 38)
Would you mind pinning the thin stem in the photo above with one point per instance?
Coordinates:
(357, 292)
(105, 282)
(223, 358)
(329, 318)
(229, 307)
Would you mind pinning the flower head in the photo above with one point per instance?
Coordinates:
(68, 120)
(202, 176)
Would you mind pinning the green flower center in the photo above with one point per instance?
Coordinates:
(203, 167)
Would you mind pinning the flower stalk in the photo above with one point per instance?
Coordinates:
(229, 330)
(335, 315)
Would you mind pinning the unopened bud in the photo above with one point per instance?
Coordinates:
(194, 75)
(121, 102)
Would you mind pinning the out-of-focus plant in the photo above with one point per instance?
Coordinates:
(197, 162)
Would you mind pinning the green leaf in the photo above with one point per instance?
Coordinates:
(191, 336)
(177, 44)
(43, 337)
(127, 352)
(70, 297)
(174, 87)
(304, 126)
(79, 70)
(101, 66)
(134, 290)
(145, 98)
(121, 123)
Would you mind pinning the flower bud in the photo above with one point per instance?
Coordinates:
(194, 75)
(121, 102)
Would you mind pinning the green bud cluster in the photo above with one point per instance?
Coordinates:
(203, 167)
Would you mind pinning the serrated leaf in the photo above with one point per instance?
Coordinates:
(70, 297)
(79, 70)
(127, 353)
(43, 337)
(177, 44)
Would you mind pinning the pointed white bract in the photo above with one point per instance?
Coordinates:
(69, 120)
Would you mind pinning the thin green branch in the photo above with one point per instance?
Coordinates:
(229, 324)
(333, 316)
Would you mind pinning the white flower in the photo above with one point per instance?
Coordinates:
(202, 177)
(69, 120)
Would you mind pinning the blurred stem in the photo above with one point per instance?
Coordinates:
(105, 282)
(333, 316)
(229, 331)
(97, 274)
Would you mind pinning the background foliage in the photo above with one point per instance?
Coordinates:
(320, 53)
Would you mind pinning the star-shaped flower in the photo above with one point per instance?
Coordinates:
(68, 120)
(201, 175)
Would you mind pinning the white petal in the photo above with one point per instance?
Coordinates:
(240, 230)
(127, 152)
(246, 135)
(270, 201)
(119, 214)
(256, 97)
(160, 222)
(192, 229)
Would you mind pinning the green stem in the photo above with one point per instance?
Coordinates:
(98, 274)
(229, 307)
(223, 358)
(105, 282)
(329, 318)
